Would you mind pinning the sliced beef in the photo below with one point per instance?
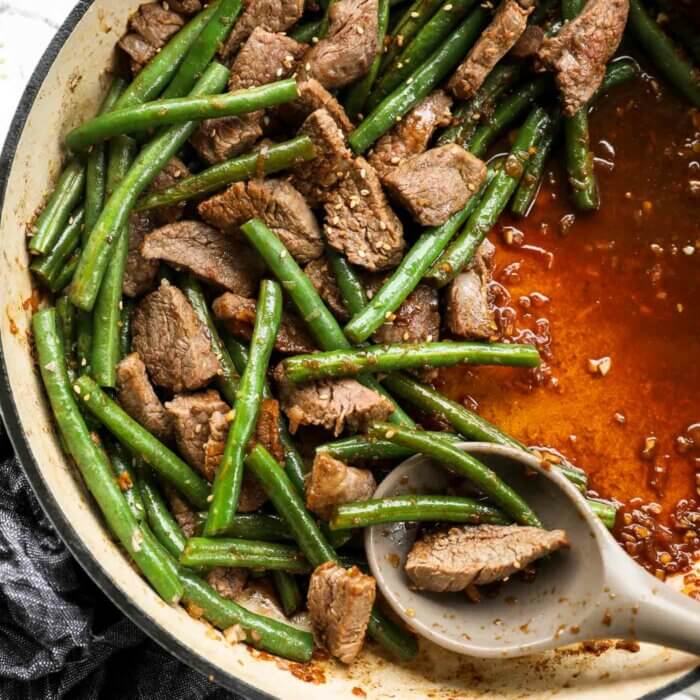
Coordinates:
(228, 582)
(278, 204)
(349, 47)
(451, 560)
(529, 43)
(496, 40)
(186, 7)
(138, 398)
(140, 274)
(182, 512)
(436, 184)
(470, 311)
(139, 51)
(340, 602)
(336, 404)
(313, 96)
(333, 482)
(579, 53)
(173, 172)
(412, 134)
(219, 424)
(272, 15)
(217, 140)
(267, 431)
(172, 342)
(238, 315)
(417, 320)
(207, 253)
(323, 280)
(191, 415)
(359, 221)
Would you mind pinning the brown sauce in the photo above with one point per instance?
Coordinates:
(622, 284)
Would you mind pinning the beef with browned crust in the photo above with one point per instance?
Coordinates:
(417, 320)
(228, 582)
(139, 274)
(172, 173)
(313, 96)
(323, 280)
(186, 7)
(182, 511)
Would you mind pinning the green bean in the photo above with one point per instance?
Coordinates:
(460, 463)
(257, 526)
(417, 261)
(605, 510)
(267, 160)
(125, 328)
(320, 321)
(679, 26)
(505, 115)
(287, 591)
(53, 219)
(126, 479)
(351, 288)
(247, 554)
(469, 114)
(152, 159)
(492, 204)
(204, 48)
(107, 312)
(397, 509)
(93, 464)
(357, 95)
(84, 342)
(65, 275)
(305, 33)
(179, 110)
(229, 475)
(65, 317)
(227, 381)
(426, 77)
(141, 443)
(47, 268)
(426, 41)
(398, 356)
(289, 505)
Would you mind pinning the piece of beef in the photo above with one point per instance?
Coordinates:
(335, 404)
(191, 415)
(217, 140)
(171, 174)
(349, 47)
(272, 15)
(139, 274)
(207, 253)
(417, 320)
(238, 315)
(139, 51)
(340, 602)
(138, 398)
(313, 96)
(412, 134)
(182, 512)
(579, 53)
(332, 482)
(228, 582)
(529, 43)
(278, 204)
(213, 450)
(185, 7)
(323, 280)
(470, 311)
(436, 184)
(267, 431)
(507, 26)
(359, 221)
(450, 560)
(172, 342)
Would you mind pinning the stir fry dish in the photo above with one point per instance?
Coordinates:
(295, 247)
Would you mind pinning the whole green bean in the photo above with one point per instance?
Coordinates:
(140, 442)
(125, 328)
(426, 41)
(492, 204)
(93, 464)
(417, 261)
(267, 160)
(203, 552)
(179, 110)
(426, 77)
(229, 475)
(65, 275)
(152, 159)
(288, 503)
(55, 215)
(351, 289)
(48, 267)
(287, 591)
(126, 478)
(397, 509)
(460, 463)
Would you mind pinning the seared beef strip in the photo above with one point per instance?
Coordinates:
(228, 582)
(436, 184)
(271, 15)
(172, 342)
(138, 398)
(217, 140)
(412, 134)
(182, 512)
(349, 47)
(213, 449)
(340, 602)
(323, 280)
(186, 7)
(278, 204)
(417, 320)
(336, 404)
(579, 53)
(313, 96)
(139, 274)
(496, 40)
(191, 415)
(140, 52)
(451, 560)
(238, 315)
(206, 253)
(332, 482)
(174, 171)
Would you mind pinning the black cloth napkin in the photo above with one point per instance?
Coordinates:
(60, 637)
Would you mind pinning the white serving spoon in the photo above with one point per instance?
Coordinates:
(591, 591)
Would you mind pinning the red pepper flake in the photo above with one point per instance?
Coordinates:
(13, 327)
(359, 692)
(32, 302)
(124, 481)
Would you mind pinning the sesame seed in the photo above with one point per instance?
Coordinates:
(415, 15)
(360, 30)
(364, 193)
(688, 250)
(448, 7)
